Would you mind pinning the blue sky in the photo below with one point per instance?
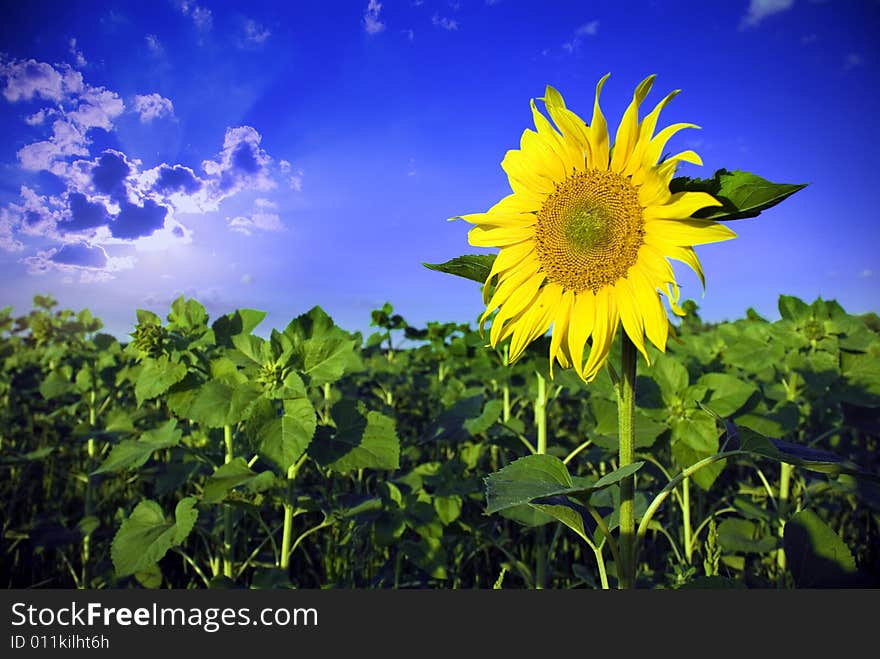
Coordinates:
(281, 155)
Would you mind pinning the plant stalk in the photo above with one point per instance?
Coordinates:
(686, 516)
(626, 399)
(785, 471)
(227, 510)
(541, 448)
(89, 498)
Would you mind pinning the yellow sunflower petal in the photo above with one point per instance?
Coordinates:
(572, 127)
(580, 326)
(560, 326)
(656, 320)
(509, 220)
(599, 132)
(499, 236)
(628, 131)
(509, 283)
(518, 300)
(685, 232)
(522, 175)
(631, 314)
(544, 157)
(646, 133)
(658, 143)
(508, 258)
(524, 201)
(689, 257)
(681, 205)
(607, 320)
(536, 320)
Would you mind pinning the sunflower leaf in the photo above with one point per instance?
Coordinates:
(475, 267)
(742, 194)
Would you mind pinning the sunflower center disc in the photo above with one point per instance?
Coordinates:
(589, 230)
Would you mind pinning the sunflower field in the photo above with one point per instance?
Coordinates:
(206, 453)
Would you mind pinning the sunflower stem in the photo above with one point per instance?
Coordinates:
(541, 429)
(626, 397)
(228, 531)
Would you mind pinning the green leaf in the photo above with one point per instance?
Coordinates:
(794, 309)
(539, 476)
(145, 317)
(235, 474)
(475, 267)
(240, 321)
(646, 429)
(698, 431)
(729, 393)
(448, 508)
(862, 373)
(743, 536)
(322, 350)
(187, 315)
(816, 556)
(131, 454)
(807, 457)
(217, 404)
(57, 383)
(686, 456)
(146, 536)
(359, 441)
(564, 510)
(283, 439)
(671, 376)
(465, 418)
(528, 478)
(156, 377)
(490, 414)
(742, 194)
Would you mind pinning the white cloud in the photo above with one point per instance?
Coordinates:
(867, 272)
(588, 29)
(294, 177)
(37, 117)
(761, 9)
(80, 108)
(443, 22)
(201, 16)
(77, 54)
(96, 108)
(152, 106)
(25, 79)
(254, 33)
(372, 24)
(154, 44)
(8, 225)
(241, 164)
(259, 221)
(66, 140)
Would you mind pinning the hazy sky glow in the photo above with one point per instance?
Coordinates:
(281, 155)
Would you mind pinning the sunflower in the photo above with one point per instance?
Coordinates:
(586, 236)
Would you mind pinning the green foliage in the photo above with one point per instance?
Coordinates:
(475, 267)
(817, 556)
(145, 536)
(742, 194)
(406, 460)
